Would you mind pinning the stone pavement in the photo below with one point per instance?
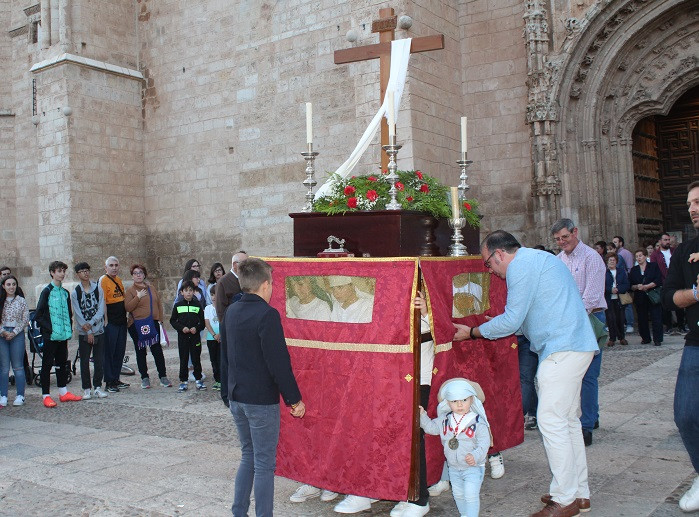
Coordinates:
(157, 452)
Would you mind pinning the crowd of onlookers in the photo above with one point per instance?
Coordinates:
(103, 312)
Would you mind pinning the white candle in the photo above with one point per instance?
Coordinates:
(455, 212)
(391, 114)
(309, 123)
(464, 135)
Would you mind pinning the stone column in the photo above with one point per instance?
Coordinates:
(45, 24)
(64, 25)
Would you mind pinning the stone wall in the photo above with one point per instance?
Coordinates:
(494, 75)
(183, 134)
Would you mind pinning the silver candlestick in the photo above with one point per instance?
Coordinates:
(310, 180)
(392, 150)
(464, 163)
(457, 249)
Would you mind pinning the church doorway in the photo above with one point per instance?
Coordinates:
(665, 160)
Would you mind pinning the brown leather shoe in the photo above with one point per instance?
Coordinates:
(553, 509)
(583, 504)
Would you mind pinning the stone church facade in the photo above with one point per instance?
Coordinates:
(159, 130)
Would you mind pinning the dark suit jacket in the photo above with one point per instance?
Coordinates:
(622, 283)
(255, 363)
(226, 288)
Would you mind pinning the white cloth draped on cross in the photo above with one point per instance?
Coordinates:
(400, 55)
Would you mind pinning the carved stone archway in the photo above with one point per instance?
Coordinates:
(627, 59)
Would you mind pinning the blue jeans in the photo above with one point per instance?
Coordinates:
(114, 350)
(628, 313)
(589, 393)
(528, 363)
(12, 352)
(466, 488)
(258, 432)
(687, 402)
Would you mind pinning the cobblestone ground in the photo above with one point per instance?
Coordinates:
(158, 452)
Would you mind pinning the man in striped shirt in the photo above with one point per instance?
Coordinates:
(588, 270)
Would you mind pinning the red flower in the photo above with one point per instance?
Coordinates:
(418, 174)
(349, 190)
(372, 178)
(424, 188)
(399, 186)
(385, 171)
(409, 199)
(467, 206)
(371, 195)
(352, 202)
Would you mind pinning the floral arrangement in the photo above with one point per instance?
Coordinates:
(415, 191)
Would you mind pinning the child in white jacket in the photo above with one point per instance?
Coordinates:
(463, 428)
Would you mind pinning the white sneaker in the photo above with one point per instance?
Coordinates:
(398, 509)
(303, 493)
(19, 401)
(439, 487)
(354, 504)
(414, 510)
(191, 377)
(629, 329)
(99, 393)
(327, 495)
(497, 466)
(690, 500)
(87, 394)
(3, 401)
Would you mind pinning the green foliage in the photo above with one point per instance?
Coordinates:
(415, 191)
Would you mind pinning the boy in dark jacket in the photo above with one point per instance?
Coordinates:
(188, 320)
(55, 319)
(255, 369)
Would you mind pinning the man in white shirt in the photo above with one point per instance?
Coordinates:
(662, 256)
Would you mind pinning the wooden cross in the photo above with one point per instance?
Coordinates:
(386, 27)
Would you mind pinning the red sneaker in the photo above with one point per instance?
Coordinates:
(49, 402)
(69, 397)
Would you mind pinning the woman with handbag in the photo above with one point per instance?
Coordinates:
(616, 284)
(645, 281)
(145, 314)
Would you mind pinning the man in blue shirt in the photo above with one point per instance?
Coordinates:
(543, 302)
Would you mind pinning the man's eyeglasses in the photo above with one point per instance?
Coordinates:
(487, 261)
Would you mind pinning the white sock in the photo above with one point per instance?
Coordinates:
(62, 391)
(47, 395)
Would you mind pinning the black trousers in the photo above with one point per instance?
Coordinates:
(54, 352)
(215, 356)
(155, 350)
(615, 320)
(423, 489)
(644, 309)
(188, 349)
(97, 351)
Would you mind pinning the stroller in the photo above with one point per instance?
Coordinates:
(36, 345)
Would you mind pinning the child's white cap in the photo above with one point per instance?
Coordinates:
(460, 389)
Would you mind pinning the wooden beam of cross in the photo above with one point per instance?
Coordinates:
(386, 27)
